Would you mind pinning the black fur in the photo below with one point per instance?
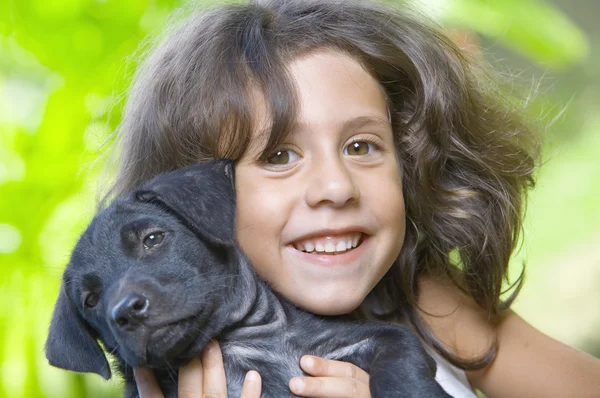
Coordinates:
(157, 275)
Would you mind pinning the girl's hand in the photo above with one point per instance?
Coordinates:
(203, 377)
(334, 379)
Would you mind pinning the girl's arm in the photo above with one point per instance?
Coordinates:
(528, 363)
(531, 364)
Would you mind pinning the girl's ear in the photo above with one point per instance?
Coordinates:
(202, 196)
(70, 344)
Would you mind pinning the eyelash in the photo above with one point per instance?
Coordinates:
(369, 140)
(365, 139)
(265, 161)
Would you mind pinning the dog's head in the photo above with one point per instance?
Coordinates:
(144, 277)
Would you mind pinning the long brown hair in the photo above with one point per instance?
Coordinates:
(467, 153)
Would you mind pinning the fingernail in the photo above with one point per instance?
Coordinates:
(252, 376)
(195, 362)
(307, 362)
(297, 384)
(212, 347)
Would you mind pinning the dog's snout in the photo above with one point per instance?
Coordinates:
(130, 311)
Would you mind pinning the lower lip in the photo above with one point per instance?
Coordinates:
(331, 260)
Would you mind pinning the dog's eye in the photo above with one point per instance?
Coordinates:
(91, 300)
(153, 239)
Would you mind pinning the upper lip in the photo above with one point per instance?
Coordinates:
(321, 233)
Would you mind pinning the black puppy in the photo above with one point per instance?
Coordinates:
(158, 274)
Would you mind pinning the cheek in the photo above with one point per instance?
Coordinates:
(249, 224)
(387, 204)
(399, 212)
(257, 238)
(384, 192)
(252, 234)
(396, 196)
(400, 227)
(259, 220)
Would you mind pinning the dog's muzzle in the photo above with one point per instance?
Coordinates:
(130, 312)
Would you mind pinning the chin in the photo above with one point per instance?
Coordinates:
(330, 305)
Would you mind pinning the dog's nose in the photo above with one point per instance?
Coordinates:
(130, 311)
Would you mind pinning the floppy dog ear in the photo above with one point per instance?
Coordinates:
(70, 345)
(202, 196)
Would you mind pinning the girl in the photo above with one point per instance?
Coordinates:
(379, 172)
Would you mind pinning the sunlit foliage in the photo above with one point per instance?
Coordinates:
(64, 69)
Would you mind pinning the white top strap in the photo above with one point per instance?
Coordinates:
(452, 379)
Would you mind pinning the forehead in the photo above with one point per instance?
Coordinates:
(331, 82)
(108, 226)
(125, 212)
(333, 89)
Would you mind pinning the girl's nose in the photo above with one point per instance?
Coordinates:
(333, 184)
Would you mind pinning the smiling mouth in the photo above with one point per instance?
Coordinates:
(330, 244)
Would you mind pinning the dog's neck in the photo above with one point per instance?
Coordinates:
(252, 305)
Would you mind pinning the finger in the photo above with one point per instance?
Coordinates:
(329, 387)
(190, 380)
(316, 366)
(213, 383)
(252, 385)
(146, 383)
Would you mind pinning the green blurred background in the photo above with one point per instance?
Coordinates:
(64, 69)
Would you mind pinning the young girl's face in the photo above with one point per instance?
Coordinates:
(323, 219)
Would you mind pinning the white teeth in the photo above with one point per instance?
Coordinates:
(329, 247)
(308, 247)
(329, 244)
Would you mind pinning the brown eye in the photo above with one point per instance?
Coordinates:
(153, 239)
(283, 157)
(91, 300)
(359, 148)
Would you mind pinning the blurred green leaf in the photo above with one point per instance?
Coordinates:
(534, 28)
(65, 64)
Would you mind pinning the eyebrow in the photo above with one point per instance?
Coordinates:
(351, 124)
